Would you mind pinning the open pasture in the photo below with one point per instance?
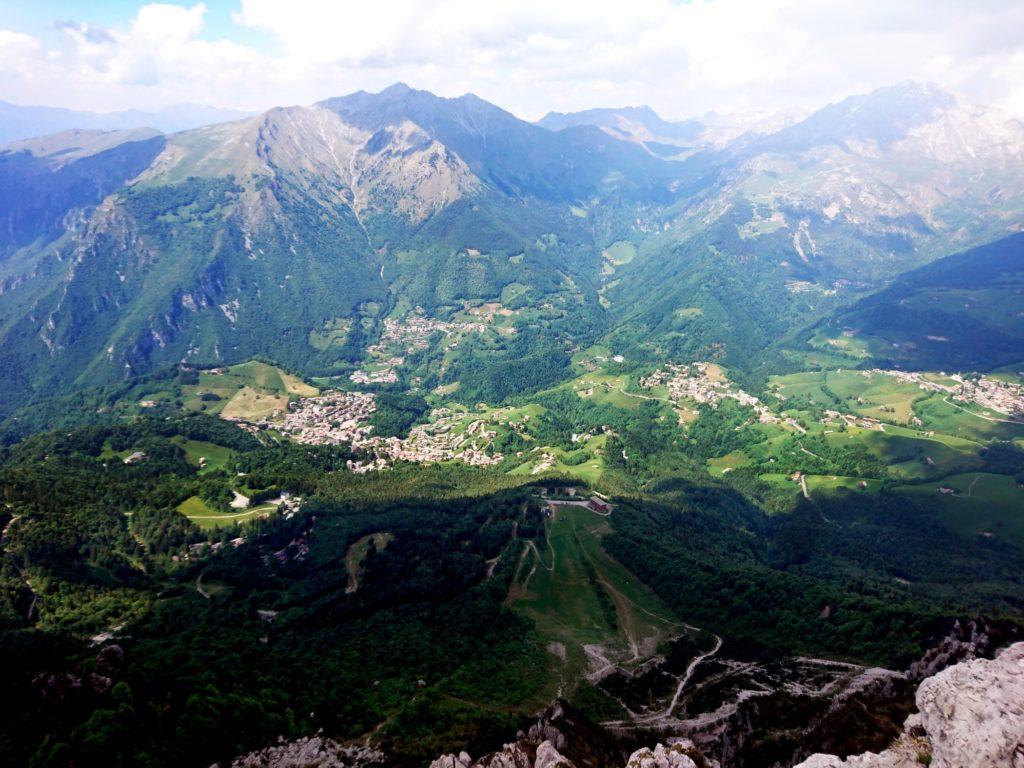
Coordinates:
(976, 504)
(578, 596)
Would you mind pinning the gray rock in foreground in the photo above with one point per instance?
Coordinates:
(970, 715)
(311, 752)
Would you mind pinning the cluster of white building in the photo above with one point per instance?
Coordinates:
(851, 420)
(547, 461)
(385, 375)
(337, 418)
(329, 419)
(441, 440)
(1003, 396)
(693, 382)
(414, 331)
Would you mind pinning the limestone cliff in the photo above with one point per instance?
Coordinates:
(970, 715)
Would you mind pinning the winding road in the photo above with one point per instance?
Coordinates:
(199, 586)
(622, 389)
(947, 401)
(686, 678)
(970, 488)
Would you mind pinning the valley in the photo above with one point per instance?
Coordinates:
(704, 488)
(398, 420)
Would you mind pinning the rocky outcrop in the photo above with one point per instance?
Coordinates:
(519, 754)
(674, 756)
(970, 715)
(312, 752)
(562, 737)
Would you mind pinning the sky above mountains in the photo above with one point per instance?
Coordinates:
(530, 56)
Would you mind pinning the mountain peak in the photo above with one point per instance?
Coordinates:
(600, 116)
(396, 89)
(910, 101)
(919, 90)
(883, 117)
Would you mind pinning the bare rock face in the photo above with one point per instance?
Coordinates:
(549, 757)
(661, 756)
(973, 713)
(970, 715)
(311, 752)
(451, 761)
(561, 737)
(903, 754)
(517, 755)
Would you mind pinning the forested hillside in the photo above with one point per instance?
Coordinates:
(961, 312)
(253, 237)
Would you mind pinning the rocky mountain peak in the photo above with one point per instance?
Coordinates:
(970, 715)
(881, 117)
(315, 149)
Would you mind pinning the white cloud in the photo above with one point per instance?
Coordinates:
(533, 55)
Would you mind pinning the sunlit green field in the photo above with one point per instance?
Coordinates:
(944, 417)
(876, 396)
(217, 456)
(983, 504)
(553, 588)
(249, 390)
(206, 518)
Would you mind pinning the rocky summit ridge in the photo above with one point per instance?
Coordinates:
(970, 715)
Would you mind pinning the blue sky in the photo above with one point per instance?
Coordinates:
(530, 56)
(41, 17)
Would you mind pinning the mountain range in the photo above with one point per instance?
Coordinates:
(358, 433)
(125, 251)
(19, 122)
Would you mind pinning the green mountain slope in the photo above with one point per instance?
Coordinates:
(42, 180)
(250, 238)
(963, 312)
(268, 235)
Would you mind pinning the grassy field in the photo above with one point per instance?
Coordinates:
(251, 404)
(619, 253)
(727, 463)
(912, 454)
(197, 510)
(578, 596)
(939, 415)
(830, 483)
(268, 377)
(249, 390)
(217, 456)
(605, 388)
(1012, 373)
(877, 396)
(818, 485)
(982, 504)
(357, 553)
(332, 334)
(847, 346)
(591, 470)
